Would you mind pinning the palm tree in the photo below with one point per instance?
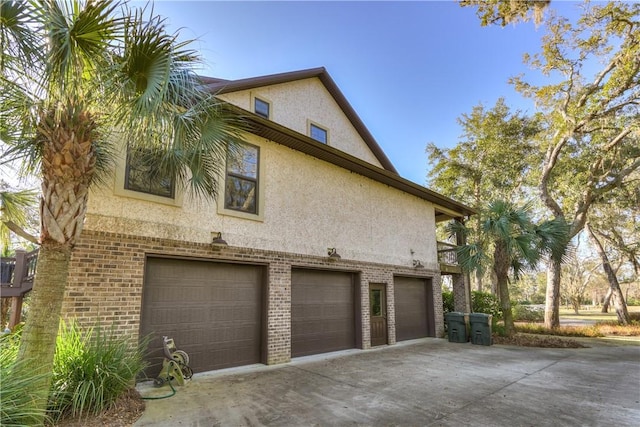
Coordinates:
(77, 76)
(515, 243)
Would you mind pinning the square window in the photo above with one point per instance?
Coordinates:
(142, 174)
(261, 108)
(318, 133)
(241, 184)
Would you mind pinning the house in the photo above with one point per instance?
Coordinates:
(314, 245)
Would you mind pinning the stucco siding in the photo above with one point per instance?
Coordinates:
(309, 205)
(295, 104)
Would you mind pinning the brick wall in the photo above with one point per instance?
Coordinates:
(107, 274)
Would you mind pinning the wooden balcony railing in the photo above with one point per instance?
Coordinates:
(17, 273)
(447, 258)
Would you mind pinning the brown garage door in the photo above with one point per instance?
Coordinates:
(414, 308)
(322, 312)
(213, 311)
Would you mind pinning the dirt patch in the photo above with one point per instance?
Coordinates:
(125, 411)
(532, 340)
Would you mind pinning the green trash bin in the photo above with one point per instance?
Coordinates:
(456, 327)
(480, 328)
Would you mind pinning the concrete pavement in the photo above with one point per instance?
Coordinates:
(428, 382)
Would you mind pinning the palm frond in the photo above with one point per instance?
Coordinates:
(553, 238)
(15, 205)
(80, 34)
(472, 257)
(19, 36)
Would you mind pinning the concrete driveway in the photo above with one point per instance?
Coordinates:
(428, 382)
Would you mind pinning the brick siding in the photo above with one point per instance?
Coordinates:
(107, 275)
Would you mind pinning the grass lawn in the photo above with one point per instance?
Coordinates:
(594, 313)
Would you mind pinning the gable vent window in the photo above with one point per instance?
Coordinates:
(241, 186)
(261, 108)
(317, 133)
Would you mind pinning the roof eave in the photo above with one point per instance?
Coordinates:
(303, 143)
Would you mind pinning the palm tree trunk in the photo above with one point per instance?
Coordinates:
(501, 270)
(616, 292)
(40, 331)
(68, 167)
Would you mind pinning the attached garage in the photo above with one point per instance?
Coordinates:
(323, 311)
(414, 308)
(212, 310)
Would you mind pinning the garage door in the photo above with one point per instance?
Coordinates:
(322, 312)
(414, 308)
(213, 311)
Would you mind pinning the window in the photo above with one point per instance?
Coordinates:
(241, 186)
(317, 133)
(261, 107)
(142, 175)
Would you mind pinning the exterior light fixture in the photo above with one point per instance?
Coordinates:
(218, 240)
(417, 264)
(333, 254)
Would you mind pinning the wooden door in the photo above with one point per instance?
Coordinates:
(378, 313)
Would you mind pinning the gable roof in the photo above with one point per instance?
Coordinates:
(445, 207)
(219, 86)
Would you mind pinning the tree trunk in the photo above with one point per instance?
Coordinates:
(38, 342)
(552, 305)
(575, 303)
(607, 301)
(616, 292)
(68, 167)
(501, 270)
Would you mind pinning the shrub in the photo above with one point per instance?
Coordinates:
(19, 405)
(484, 302)
(447, 302)
(499, 329)
(92, 369)
(523, 313)
(633, 301)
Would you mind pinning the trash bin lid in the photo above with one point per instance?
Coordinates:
(480, 316)
(454, 314)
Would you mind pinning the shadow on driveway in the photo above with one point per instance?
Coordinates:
(428, 382)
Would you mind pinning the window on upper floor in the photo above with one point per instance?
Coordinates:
(241, 185)
(141, 175)
(318, 133)
(261, 108)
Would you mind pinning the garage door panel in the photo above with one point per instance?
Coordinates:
(322, 313)
(205, 307)
(414, 308)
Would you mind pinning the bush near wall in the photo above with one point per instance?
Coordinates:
(447, 301)
(92, 369)
(481, 302)
(485, 302)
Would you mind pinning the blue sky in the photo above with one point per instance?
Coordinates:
(409, 69)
